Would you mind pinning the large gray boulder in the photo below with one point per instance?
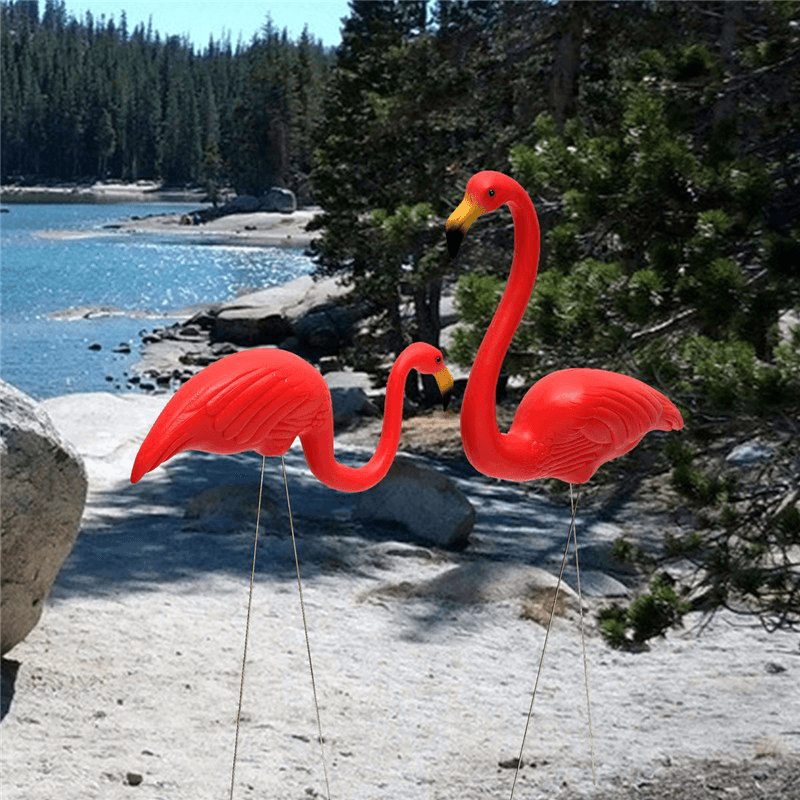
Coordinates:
(349, 398)
(242, 204)
(249, 327)
(324, 331)
(429, 507)
(279, 199)
(303, 316)
(44, 490)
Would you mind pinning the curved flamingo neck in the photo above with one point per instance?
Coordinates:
(484, 445)
(318, 446)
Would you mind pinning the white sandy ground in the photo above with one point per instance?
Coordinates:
(134, 667)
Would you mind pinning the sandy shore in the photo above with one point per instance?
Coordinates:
(258, 229)
(129, 683)
(101, 192)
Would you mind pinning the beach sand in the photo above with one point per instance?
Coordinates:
(128, 686)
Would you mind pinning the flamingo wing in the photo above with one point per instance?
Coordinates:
(577, 419)
(255, 400)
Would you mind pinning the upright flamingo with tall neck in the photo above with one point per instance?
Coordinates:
(570, 422)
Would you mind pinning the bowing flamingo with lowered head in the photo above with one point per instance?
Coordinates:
(570, 422)
(262, 400)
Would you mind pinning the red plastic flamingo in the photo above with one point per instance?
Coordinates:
(262, 400)
(570, 422)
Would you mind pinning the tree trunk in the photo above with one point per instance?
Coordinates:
(428, 323)
(566, 68)
(725, 108)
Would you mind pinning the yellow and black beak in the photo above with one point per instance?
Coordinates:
(444, 380)
(459, 222)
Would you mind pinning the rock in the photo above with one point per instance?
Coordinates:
(493, 582)
(350, 403)
(293, 299)
(188, 332)
(249, 327)
(324, 331)
(204, 320)
(346, 379)
(349, 398)
(232, 508)
(595, 583)
(329, 364)
(44, 490)
(429, 506)
(279, 199)
(243, 204)
(749, 453)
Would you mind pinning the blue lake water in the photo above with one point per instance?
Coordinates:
(135, 282)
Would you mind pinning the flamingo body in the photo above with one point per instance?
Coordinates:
(263, 399)
(570, 422)
(254, 400)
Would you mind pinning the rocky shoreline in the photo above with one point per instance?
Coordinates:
(304, 316)
(307, 316)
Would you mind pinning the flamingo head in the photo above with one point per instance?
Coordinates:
(486, 191)
(427, 359)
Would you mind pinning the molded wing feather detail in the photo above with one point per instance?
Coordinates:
(577, 419)
(255, 400)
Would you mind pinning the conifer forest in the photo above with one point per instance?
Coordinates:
(93, 99)
(659, 141)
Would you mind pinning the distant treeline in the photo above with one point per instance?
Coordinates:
(88, 98)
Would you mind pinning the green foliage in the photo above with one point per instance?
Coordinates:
(658, 143)
(725, 373)
(690, 543)
(614, 625)
(729, 377)
(749, 524)
(476, 299)
(85, 98)
(691, 481)
(661, 608)
(650, 614)
(566, 315)
(625, 552)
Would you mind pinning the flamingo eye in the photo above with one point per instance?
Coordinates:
(491, 192)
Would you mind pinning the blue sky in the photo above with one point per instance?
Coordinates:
(199, 19)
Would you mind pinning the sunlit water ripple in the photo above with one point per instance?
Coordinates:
(50, 283)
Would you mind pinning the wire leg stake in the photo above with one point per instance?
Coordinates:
(305, 629)
(574, 503)
(544, 645)
(247, 626)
